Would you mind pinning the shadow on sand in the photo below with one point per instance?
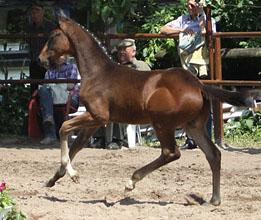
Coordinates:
(249, 150)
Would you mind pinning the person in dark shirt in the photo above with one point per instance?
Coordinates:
(38, 25)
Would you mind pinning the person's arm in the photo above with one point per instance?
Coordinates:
(176, 26)
(170, 30)
(202, 18)
(202, 25)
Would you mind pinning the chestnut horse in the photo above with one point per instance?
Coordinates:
(166, 99)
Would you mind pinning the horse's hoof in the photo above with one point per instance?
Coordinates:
(214, 203)
(206, 204)
(50, 184)
(129, 186)
(76, 178)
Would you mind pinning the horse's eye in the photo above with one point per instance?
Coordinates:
(51, 39)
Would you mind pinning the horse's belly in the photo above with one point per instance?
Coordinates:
(130, 116)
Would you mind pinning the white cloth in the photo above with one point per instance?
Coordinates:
(59, 92)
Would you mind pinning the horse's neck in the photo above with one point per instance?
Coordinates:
(90, 57)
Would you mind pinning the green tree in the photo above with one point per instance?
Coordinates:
(147, 16)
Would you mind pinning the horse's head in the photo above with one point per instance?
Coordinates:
(57, 45)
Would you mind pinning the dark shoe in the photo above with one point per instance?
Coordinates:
(48, 141)
(48, 120)
(188, 146)
(113, 146)
(98, 143)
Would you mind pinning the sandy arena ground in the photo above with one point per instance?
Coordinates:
(175, 191)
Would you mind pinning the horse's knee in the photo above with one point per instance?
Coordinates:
(63, 130)
(64, 163)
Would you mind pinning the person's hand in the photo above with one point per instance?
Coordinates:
(188, 31)
(200, 8)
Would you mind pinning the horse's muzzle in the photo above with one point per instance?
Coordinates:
(46, 63)
(43, 62)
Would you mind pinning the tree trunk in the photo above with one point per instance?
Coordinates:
(240, 52)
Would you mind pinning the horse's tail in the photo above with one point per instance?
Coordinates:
(233, 98)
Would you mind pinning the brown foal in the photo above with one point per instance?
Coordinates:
(166, 99)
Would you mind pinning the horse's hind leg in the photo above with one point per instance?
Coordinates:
(197, 130)
(169, 153)
(77, 145)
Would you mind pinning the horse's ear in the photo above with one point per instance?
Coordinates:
(60, 16)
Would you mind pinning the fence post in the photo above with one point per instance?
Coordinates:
(209, 40)
(215, 71)
(217, 106)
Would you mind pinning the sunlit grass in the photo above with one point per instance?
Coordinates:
(236, 141)
(243, 141)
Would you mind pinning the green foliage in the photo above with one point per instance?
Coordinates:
(15, 214)
(148, 16)
(5, 200)
(112, 12)
(157, 50)
(238, 16)
(248, 125)
(13, 108)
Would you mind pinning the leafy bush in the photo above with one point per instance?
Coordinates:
(14, 108)
(5, 200)
(247, 125)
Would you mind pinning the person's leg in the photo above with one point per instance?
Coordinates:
(117, 138)
(189, 144)
(109, 132)
(46, 104)
(117, 134)
(99, 138)
(209, 124)
(49, 134)
(74, 104)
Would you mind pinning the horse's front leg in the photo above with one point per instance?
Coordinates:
(65, 158)
(82, 121)
(77, 145)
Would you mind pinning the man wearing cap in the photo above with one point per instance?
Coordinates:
(37, 25)
(126, 56)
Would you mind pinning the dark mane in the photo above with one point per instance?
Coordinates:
(95, 39)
